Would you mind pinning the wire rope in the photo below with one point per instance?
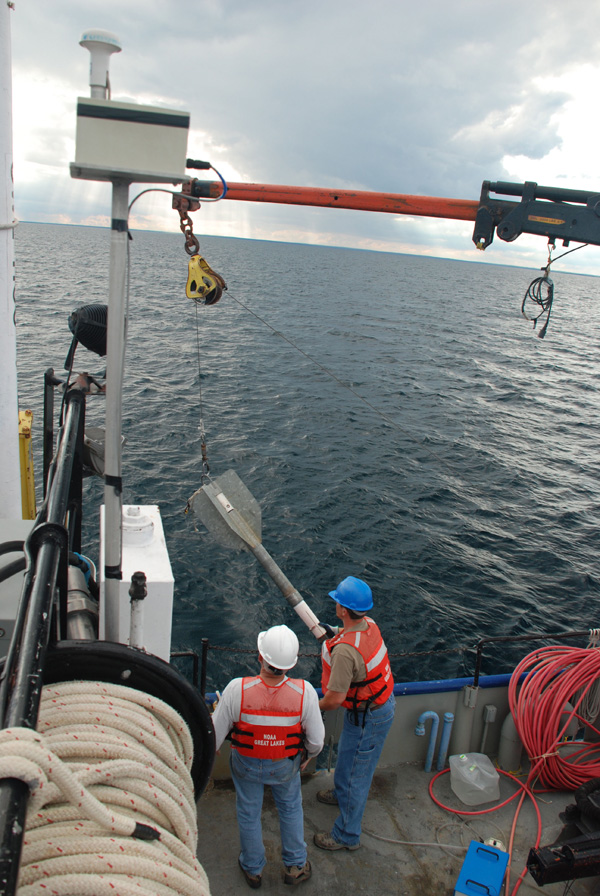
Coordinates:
(205, 467)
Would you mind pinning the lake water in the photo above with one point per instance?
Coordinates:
(395, 417)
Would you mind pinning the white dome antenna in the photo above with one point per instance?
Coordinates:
(101, 45)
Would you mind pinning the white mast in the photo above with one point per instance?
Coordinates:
(10, 475)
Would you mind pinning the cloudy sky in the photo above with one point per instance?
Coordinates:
(425, 97)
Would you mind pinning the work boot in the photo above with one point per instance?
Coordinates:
(328, 797)
(295, 875)
(325, 841)
(253, 880)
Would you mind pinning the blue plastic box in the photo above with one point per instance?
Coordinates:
(482, 872)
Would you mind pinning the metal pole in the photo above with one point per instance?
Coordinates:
(205, 646)
(115, 360)
(10, 475)
(49, 383)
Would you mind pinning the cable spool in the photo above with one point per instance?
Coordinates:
(117, 664)
(111, 774)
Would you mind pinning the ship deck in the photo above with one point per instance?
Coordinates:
(399, 818)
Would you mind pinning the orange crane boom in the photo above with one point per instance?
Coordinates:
(553, 212)
(393, 203)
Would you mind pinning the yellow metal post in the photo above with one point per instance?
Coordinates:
(26, 458)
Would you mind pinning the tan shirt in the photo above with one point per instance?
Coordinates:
(347, 665)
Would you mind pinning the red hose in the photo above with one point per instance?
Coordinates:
(555, 676)
(525, 791)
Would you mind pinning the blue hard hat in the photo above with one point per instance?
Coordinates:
(354, 594)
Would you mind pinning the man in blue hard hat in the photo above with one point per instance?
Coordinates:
(356, 675)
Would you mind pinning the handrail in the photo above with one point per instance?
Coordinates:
(553, 636)
(474, 681)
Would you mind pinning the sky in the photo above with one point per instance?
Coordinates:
(427, 98)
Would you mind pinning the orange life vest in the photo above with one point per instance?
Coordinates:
(377, 687)
(269, 726)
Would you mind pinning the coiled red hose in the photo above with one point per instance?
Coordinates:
(555, 676)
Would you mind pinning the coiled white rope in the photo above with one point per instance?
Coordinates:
(112, 807)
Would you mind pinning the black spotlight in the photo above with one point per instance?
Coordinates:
(88, 326)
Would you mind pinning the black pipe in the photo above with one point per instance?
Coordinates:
(11, 547)
(555, 194)
(561, 636)
(15, 566)
(205, 646)
(11, 569)
(50, 381)
(194, 656)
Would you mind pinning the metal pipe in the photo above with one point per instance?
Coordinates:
(10, 478)
(554, 194)
(205, 646)
(420, 731)
(445, 740)
(115, 357)
(291, 594)
(82, 610)
(49, 384)
(137, 592)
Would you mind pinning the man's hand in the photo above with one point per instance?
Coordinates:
(331, 700)
(329, 631)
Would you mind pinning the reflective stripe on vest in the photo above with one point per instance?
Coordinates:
(378, 685)
(270, 722)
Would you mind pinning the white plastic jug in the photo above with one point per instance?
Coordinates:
(474, 779)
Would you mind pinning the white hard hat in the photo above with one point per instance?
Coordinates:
(278, 646)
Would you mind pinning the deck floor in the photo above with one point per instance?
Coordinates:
(399, 809)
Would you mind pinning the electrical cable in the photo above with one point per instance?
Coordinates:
(414, 842)
(175, 192)
(526, 790)
(555, 676)
(534, 290)
(535, 295)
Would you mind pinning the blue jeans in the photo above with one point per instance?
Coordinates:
(250, 776)
(359, 750)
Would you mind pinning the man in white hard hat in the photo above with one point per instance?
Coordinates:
(276, 729)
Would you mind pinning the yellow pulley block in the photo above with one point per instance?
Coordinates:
(203, 284)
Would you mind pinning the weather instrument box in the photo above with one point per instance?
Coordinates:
(482, 872)
(143, 144)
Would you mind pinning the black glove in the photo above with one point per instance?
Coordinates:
(328, 629)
